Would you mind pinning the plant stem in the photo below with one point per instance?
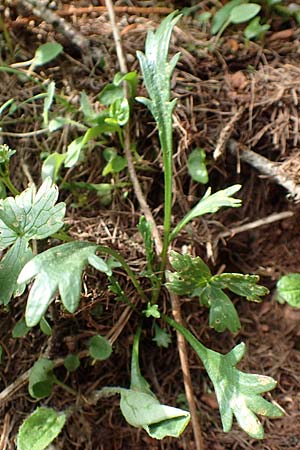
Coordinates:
(118, 257)
(7, 181)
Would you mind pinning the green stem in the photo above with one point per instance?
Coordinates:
(7, 181)
(118, 257)
(65, 387)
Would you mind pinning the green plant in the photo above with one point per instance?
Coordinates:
(34, 215)
(288, 289)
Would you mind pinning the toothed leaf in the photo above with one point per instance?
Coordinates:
(58, 269)
(31, 215)
(238, 393)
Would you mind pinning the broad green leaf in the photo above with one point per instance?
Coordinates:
(20, 329)
(254, 29)
(45, 327)
(191, 274)
(72, 362)
(132, 81)
(40, 429)
(162, 338)
(288, 289)
(142, 409)
(110, 93)
(244, 285)
(99, 348)
(46, 53)
(238, 393)
(115, 162)
(197, 166)
(243, 13)
(222, 313)
(10, 267)
(58, 269)
(74, 152)
(31, 215)
(75, 147)
(222, 15)
(51, 166)
(85, 106)
(57, 123)
(48, 102)
(41, 378)
(210, 203)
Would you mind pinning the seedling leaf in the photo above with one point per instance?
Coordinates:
(288, 289)
(48, 102)
(41, 378)
(197, 166)
(254, 29)
(51, 166)
(210, 203)
(40, 429)
(243, 13)
(46, 53)
(238, 393)
(162, 338)
(222, 313)
(57, 269)
(72, 362)
(31, 215)
(20, 329)
(99, 348)
(222, 15)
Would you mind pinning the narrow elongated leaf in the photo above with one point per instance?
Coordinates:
(31, 215)
(40, 429)
(288, 289)
(58, 269)
(210, 203)
(48, 102)
(10, 267)
(238, 393)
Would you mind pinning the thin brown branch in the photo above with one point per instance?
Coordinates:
(266, 167)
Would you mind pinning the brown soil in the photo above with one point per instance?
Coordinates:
(241, 95)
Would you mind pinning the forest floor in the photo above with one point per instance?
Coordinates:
(234, 96)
